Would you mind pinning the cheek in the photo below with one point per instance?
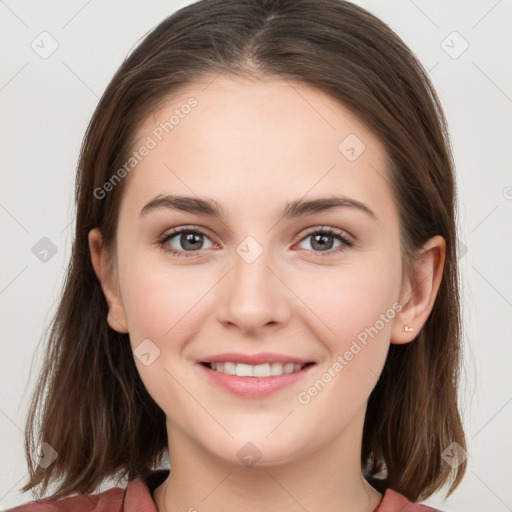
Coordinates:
(160, 303)
(352, 299)
(356, 307)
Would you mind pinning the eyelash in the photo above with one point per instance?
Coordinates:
(346, 242)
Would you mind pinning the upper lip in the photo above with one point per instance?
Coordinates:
(254, 359)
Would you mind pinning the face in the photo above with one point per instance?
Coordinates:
(318, 284)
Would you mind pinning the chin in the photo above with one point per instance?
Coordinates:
(258, 451)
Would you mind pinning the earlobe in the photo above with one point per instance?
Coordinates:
(419, 291)
(104, 271)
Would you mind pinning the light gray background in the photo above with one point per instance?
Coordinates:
(47, 103)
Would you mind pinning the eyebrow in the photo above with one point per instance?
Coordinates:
(293, 209)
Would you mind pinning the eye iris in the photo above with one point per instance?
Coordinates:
(191, 238)
(321, 240)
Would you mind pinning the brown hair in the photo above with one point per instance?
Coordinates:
(94, 409)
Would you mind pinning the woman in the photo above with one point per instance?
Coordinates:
(264, 279)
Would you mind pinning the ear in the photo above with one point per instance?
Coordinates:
(419, 291)
(104, 269)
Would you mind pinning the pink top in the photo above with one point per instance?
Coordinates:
(137, 497)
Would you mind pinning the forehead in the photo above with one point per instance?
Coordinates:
(259, 140)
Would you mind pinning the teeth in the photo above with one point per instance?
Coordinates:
(260, 370)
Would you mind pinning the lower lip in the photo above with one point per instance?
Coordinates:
(254, 387)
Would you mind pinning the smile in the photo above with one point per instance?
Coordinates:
(254, 381)
(260, 370)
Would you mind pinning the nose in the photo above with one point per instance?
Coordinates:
(253, 295)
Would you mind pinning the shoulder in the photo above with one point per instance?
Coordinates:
(137, 497)
(107, 501)
(393, 501)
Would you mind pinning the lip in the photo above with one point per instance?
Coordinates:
(253, 387)
(253, 359)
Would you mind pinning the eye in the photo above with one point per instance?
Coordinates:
(191, 240)
(322, 240)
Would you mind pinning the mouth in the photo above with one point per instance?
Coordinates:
(254, 381)
(264, 370)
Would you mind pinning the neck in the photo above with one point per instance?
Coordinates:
(328, 480)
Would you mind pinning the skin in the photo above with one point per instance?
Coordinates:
(252, 146)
